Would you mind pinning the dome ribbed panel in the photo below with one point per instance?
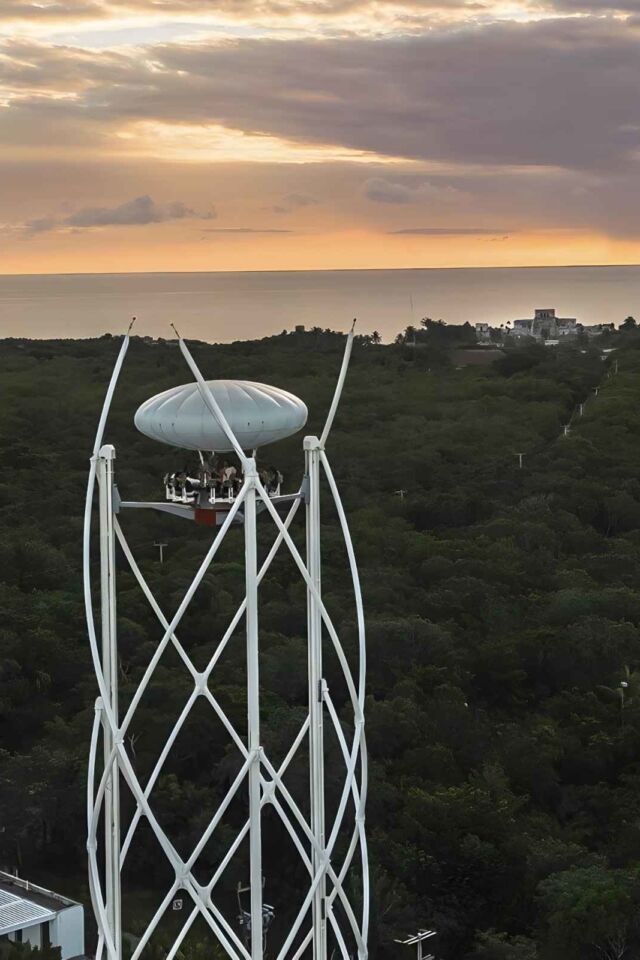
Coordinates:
(257, 413)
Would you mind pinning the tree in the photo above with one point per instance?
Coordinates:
(591, 912)
(500, 603)
(492, 945)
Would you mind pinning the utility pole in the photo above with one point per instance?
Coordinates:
(418, 939)
(623, 687)
(520, 456)
(161, 547)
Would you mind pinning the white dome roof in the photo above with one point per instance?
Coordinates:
(257, 414)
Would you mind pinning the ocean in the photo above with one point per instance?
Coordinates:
(239, 306)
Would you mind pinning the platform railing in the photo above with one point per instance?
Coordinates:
(175, 493)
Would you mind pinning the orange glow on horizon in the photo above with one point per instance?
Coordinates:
(142, 250)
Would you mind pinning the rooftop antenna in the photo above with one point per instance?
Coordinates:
(418, 940)
(327, 916)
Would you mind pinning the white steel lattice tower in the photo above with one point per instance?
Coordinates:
(332, 848)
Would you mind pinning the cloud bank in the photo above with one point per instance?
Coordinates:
(371, 15)
(137, 212)
(448, 232)
(449, 112)
(556, 93)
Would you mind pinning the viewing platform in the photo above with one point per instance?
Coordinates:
(256, 413)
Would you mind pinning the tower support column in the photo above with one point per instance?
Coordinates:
(313, 447)
(105, 475)
(253, 709)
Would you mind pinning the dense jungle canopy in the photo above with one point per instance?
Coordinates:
(503, 618)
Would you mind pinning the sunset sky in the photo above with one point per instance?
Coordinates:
(300, 134)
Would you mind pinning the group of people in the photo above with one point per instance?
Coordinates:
(271, 479)
(220, 477)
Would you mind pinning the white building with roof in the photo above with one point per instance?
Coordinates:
(34, 915)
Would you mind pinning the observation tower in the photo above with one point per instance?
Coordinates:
(235, 418)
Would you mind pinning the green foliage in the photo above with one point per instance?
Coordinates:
(502, 614)
(24, 951)
(591, 911)
(500, 946)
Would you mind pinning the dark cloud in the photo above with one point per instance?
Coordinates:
(598, 7)
(447, 231)
(41, 68)
(257, 11)
(137, 212)
(74, 9)
(244, 230)
(294, 201)
(436, 192)
(141, 210)
(384, 191)
(408, 14)
(543, 117)
(40, 225)
(553, 93)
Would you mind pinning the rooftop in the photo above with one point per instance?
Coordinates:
(24, 904)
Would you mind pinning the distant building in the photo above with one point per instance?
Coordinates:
(544, 325)
(483, 332)
(599, 328)
(31, 914)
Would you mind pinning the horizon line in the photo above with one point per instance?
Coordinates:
(143, 273)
